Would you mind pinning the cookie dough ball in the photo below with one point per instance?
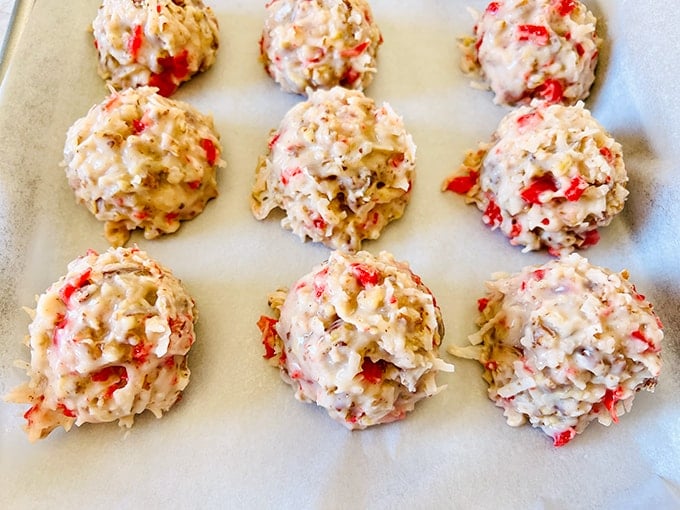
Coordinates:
(160, 43)
(108, 341)
(139, 160)
(564, 344)
(550, 177)
(359, 336)
(339, 166)
(544, 49)
(320, 44)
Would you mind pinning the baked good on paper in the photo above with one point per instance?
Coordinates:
(319, 44)
(160, 43)
(564, 344)
(536, 49)
(109, 340)
(140, 160)
(550, 176)
(359, 336)
(340, 166)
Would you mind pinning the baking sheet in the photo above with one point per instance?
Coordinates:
(239, 438)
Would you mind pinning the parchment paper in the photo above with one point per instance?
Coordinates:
(239, 439)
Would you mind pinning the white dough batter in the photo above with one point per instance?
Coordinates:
(140, 160)
(543, 49)
(359, 336)
(319, 44)
(160, 43)
(550, 176)
(564, 344)
(340, 166)
(109, 340)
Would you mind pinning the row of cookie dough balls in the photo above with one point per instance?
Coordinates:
(304, 45)
(342, 168)
(317, 220)
(520, 49)
(561, 344)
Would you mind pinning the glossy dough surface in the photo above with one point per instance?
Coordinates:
(109, 340)
(549, 177)
(359, 336)
(320, 44)
(539, 49)
(340, 167)
(564, 344)
(160, 43)
(140, 160)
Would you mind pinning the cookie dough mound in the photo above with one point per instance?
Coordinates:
(320, 44)
(550, 177)
(545, 49)
(359, 336)
(339, 166)
(108, 341)
(140, 160)
(160, 43)
(564, 344)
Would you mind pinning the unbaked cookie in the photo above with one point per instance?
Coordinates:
(340, 167)
(109, 340)
(140, 160)
(320, 44)
(160, 43)
(543, 49)
(358, 336)
(564, 344)
(550, 176)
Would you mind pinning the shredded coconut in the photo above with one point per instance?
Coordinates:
(320, 44)
(109, 340)
(545, 49)
(550, 176)
(359, 336)
(339, 166)
(160, 43)
(564, 344)
(140, 160)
